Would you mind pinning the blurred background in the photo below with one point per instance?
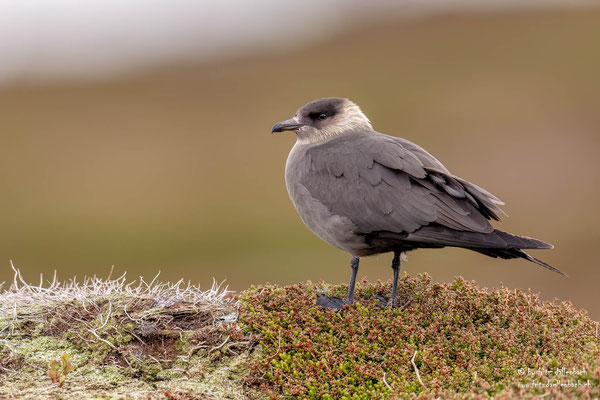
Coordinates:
(137, 133)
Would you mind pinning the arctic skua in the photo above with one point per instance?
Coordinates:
(369, 193)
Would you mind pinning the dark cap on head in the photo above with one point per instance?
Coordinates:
(325, 118)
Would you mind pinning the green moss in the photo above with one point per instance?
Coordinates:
(141, 354)
(465, 341)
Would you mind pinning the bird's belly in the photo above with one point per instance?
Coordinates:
(334, 229)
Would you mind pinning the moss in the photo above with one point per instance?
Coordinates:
(104, 376)
(121, 345)
(464, 341)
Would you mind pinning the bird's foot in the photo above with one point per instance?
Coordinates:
(331, 302)
(337, 303)
(383, 301)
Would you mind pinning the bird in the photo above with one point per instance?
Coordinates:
(369, 193)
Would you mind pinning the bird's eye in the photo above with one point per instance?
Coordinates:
(322, 116)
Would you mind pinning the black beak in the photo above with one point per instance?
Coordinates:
(289, 125)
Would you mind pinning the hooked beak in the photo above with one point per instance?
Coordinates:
(289, 125)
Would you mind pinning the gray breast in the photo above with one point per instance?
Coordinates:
(337, 230)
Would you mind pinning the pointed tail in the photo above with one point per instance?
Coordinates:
(516, 253)
(496, 244)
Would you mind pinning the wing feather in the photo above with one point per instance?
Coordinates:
(383, 183)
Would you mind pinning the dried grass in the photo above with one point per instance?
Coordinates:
(150, 331)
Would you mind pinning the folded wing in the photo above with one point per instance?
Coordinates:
(383, 183)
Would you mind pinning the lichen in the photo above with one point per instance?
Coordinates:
(151, 341)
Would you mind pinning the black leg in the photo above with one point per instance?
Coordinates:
(335, 302)
(396, 268)
(354, 265)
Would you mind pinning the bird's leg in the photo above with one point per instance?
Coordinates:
(354, 265)
(396, 268)
(335, 302)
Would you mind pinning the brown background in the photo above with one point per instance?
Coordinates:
(176, 170)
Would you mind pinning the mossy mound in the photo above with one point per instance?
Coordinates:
(444, 341)
(122, 341)
(116, 340)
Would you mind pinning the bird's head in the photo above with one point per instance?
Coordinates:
(325, 118)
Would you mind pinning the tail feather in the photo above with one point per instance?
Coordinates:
(441, 235)
(521, 242)
(497, 244)
(516, 253)
(543, 264)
